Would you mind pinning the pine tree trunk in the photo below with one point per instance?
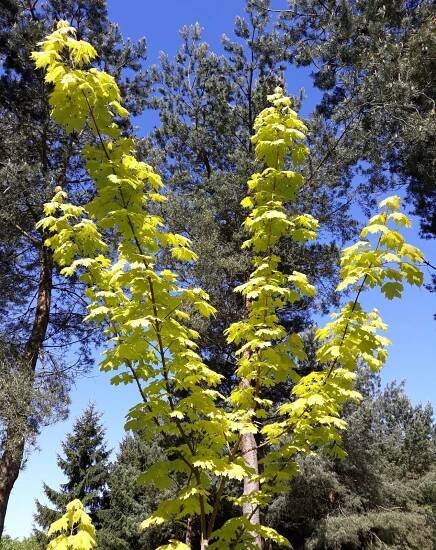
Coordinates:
(10, 465)
(13, 452)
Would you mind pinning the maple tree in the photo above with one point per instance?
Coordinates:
(145, 311)
(74, 530)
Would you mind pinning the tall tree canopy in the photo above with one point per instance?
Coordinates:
(150, 342)
(375, 62)
(40, 313)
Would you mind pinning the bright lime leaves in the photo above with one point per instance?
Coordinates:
(73, 531)
(267, 355)
(265, 349)
(279, 137)
(279, 133)
(85, 89)
(144, 310)
(353, 337)
(391, 262)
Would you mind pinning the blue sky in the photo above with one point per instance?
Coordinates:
(411, 328)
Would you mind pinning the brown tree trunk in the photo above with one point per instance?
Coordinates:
(10, 465)
(13, 452)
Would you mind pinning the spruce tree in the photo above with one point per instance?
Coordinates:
(86, 468)
(129, 501)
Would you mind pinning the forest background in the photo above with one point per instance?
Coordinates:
(409, 321)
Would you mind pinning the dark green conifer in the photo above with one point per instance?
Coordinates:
(130, 503)
(374, 62)
(382, 494)
(86, 468)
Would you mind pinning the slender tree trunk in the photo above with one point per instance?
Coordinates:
(42, 311)
(248, 443)
(188, 535)
(249, 451)
(13, 452)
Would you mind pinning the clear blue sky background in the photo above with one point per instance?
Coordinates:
(412, 330)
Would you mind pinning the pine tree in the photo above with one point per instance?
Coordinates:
(86, 467)
(374, 63)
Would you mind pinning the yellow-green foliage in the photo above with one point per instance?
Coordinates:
(73, 531)
(267, 355)
(351, 338)
(279, 134)
(145, 311)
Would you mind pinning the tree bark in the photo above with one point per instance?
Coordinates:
(13, 451)
(188, 535)
(249, 451)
